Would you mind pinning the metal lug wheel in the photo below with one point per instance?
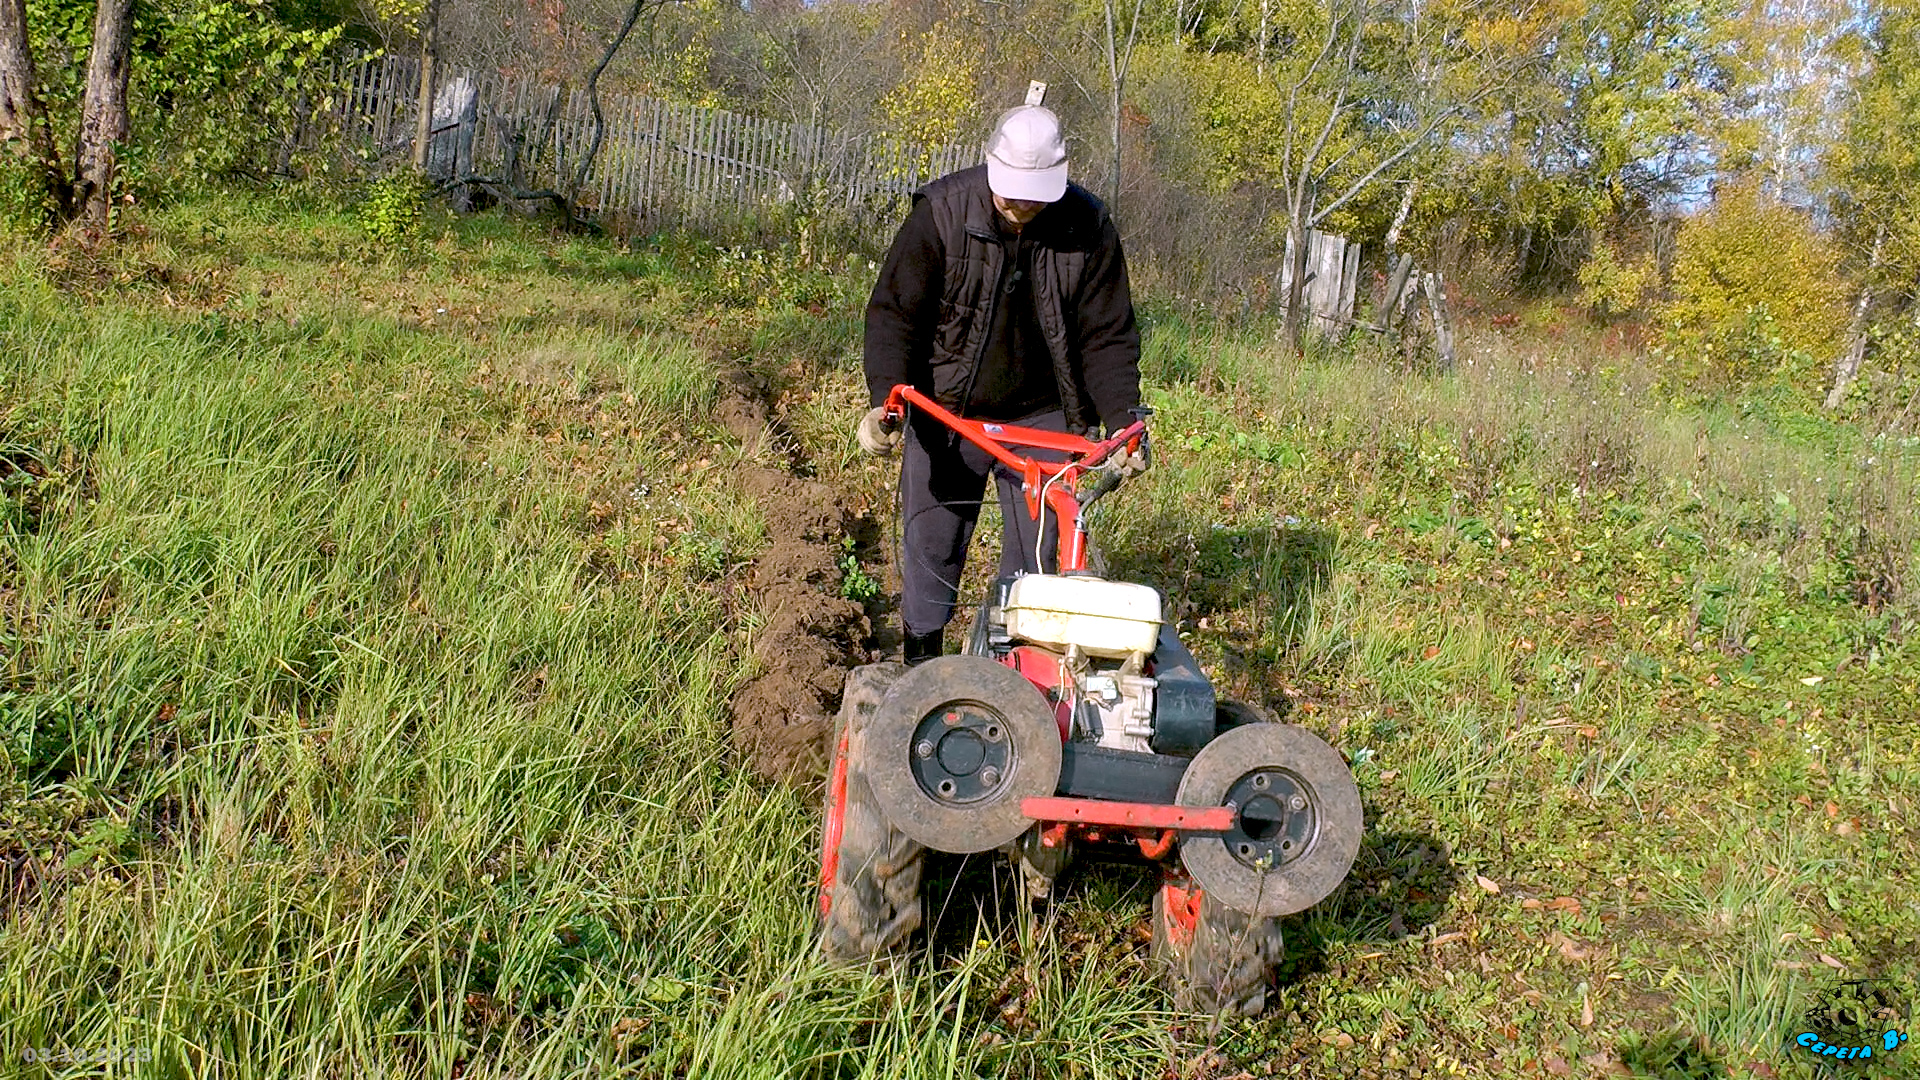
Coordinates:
(956, 746)
(1298, 823)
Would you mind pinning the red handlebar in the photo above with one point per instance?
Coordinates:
(1057, 480)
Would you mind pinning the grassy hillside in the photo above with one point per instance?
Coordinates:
(370, 620)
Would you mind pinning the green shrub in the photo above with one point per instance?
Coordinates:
(1613, 285)
(22, 199)
(1756, 294)
(391, 211)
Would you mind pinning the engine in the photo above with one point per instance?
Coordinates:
(1119, 677)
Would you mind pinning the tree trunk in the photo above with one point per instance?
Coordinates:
(1113, 82)
(1400, 217)
(1436, 290)
(593, 98)
(1260, 54)
(423, 124)
(22, 117)
(1388, 292)
(1300, 205)
(1399, 287)
(1847, 367)
(17, 109)
(103, 115)
(1118, 61)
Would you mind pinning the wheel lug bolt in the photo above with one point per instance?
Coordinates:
(925, 749)
(989, 776)
(1298, 802)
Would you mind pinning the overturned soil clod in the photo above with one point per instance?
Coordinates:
(780, 720)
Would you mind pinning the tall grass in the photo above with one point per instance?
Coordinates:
(367, 625)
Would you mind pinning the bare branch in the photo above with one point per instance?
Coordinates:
(1387, 163)
(1339, 103)
(593, 92)
(1221, 34)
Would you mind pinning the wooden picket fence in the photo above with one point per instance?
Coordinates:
(1333, 279)
(659, 162)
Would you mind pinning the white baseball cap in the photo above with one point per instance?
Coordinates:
(1026, 156)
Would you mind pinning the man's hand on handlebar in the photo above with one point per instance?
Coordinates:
(1132, 465)
(879, 433)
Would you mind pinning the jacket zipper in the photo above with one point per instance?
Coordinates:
(993, 305)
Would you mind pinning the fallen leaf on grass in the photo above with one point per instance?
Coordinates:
(1564, 903)
(1762, 1070)
(1832, 963)
(1487, 883)
(1457, 935)
(1607, 1064)
(626, 1030)
(1588, 731)
(1559, 1067)
(1205, 1065)
(1530, 904)
(1338, 1039)
(1431, 652)
(1586, 1011)
(1568, 947)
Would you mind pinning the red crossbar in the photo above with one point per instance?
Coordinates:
(1138, 815)
(995, 439)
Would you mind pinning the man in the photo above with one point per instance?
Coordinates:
(1003, 298)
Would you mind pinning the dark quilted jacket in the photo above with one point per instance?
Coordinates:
(928, 316)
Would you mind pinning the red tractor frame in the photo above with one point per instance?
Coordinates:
(1247, 819)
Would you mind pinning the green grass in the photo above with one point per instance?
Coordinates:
(369, 618)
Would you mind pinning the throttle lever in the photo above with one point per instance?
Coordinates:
(1109, 479)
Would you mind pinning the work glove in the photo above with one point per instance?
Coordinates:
(877, 434)
(1132, 465)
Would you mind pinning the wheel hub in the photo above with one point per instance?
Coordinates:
(1277, 818)
(1297, 820)
(961, 753)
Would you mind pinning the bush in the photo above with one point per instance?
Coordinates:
(1756, 294)
(22, 200)
(1613, 285)
(391, 211)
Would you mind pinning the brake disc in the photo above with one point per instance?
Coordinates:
(1297, 825)
(955, 747)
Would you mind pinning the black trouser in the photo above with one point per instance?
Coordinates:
(942, 481)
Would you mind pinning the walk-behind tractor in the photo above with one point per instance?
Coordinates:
(1076, 720)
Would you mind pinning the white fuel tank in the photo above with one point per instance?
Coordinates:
(1105, 618)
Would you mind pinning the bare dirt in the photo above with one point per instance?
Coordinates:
(812, 635)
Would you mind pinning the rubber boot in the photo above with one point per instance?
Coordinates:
(921, 648)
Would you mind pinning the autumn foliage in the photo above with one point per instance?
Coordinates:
(1756, 294)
